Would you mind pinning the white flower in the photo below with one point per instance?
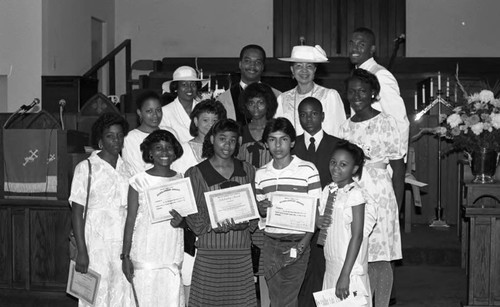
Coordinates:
(495, 120)
(454, 120)
(477, 128)
(486, 96)
(495, 103)
(473, 98)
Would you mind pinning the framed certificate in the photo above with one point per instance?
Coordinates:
(294, 211)
(176, 194)
(236, 203)
(83, 286)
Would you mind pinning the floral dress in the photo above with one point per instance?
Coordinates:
(106, 214)
(380, 140)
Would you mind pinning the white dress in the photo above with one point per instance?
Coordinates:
(288, 105)
(176, 120)
(380, 140)
(132, 153)
(339, 235)
(106, 214)
(157, 251)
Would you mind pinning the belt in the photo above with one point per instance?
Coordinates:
(285, 240)
(380, 165)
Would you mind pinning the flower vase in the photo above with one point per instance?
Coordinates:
(483, 165)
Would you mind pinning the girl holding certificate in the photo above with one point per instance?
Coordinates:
(222, 274)
(153, 252)
(347, 220)
(99, 237)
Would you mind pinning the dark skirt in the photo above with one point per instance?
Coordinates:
(223, 278)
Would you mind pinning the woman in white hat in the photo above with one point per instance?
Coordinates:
(304, 61)
(186, 84)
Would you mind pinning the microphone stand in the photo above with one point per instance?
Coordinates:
(13, 115)
(438, 222)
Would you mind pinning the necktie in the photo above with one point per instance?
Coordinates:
(311, 150)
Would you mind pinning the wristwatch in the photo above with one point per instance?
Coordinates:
(123, 256)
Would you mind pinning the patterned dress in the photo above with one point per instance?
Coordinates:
(104, 226)
(380, 140)
(222, 274)
(157, 251)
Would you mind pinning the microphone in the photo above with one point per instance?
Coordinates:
(400, 38)
(26, 108)
(62, 103)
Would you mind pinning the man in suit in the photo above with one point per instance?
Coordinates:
(251, 64)
(315, 146)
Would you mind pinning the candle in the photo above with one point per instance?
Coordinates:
(416, 101)
(455, 93)
(439, 81)
(209, 82)
(448, 87)
(423, 94)
(431, 88)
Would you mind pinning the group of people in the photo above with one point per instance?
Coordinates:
(298, 141)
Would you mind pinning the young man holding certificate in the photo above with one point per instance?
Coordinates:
(286, 250)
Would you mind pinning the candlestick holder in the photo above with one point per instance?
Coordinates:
(439, 222)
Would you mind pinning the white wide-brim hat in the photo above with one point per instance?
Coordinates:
(307, 54)
(183, 73)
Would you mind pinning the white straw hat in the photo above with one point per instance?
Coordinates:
(183, 73)
(307, 54)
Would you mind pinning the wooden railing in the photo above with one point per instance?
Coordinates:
(110, 59)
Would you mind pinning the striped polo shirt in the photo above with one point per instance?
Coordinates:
(299, 176)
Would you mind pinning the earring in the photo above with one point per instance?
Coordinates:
(150, 157)
(100, 145)
(373, 96)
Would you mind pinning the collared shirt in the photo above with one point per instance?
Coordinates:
(243, 85)
(317, 138)
(390, 101)
(299, 176)
(288, 104)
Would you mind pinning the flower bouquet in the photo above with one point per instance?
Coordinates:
(475, 128)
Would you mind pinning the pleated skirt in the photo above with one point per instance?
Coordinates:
(223, 278)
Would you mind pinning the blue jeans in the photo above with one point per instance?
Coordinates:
(284, 275)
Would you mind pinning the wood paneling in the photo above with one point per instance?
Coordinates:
(330, 23)
(5, 248)
(49, 256)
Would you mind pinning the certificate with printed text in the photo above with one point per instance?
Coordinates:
(236, 203)
(83, 286)
(294, 211)
(176, 194)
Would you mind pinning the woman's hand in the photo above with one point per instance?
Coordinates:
(263, 205)
(323, 221)
(177, 219)
(82, 262)
(128, 269)
(224, 226)
(342, 287)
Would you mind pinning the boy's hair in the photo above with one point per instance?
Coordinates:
(356, 152)
(155, 137)
(262, 91)
(279, 124)
(145, 96)
(367, 32)
(255, 47)
(223, 125)
(311, 100)
(211, 106)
